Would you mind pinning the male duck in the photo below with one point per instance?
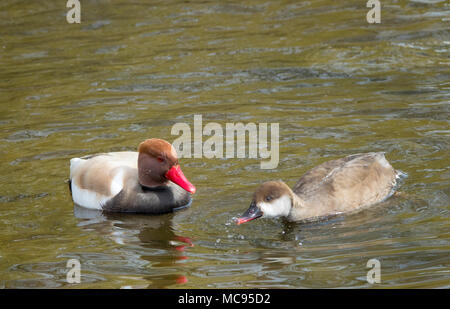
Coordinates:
(147, 181)
(334, 187)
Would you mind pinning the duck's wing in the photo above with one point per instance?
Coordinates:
(350, 182)
(314, 177)
(96, 179)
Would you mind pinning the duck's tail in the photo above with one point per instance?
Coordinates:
(399, 175)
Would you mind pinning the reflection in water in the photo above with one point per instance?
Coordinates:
(151, 236)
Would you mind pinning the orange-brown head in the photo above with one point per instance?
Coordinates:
(158, 163)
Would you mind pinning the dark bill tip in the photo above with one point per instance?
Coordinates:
(252, 213)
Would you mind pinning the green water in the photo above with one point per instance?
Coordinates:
(131, 70)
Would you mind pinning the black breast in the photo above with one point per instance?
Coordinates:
(159, 200)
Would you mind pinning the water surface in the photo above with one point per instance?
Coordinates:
(131, 70)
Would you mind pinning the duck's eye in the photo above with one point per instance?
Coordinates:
(160, 159)
(268, 198)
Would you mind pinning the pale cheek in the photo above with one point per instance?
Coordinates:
(278, 208)
(268, 210)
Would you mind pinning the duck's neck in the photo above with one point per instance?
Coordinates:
(297, 202)
(299, 209)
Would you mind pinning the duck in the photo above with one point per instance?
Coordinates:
(335, 187)
(147, 181)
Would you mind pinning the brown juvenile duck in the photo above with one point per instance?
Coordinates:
(334, 187)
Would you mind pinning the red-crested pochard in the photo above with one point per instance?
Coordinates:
(147, 181)
(338, 186)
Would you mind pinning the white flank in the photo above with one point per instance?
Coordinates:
(87, 198)
(117, 183)
(118, 162)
